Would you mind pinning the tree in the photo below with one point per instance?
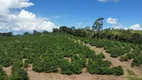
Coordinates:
(45, 32)
(26, 33)
(55, 30)
(9, 34)
(98, 24)
(63, 29)
(35, 31)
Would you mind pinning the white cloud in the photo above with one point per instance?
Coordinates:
(135, 27)
(116, 25)
(5, 5)
(25, 14)
(112, 21)
(108, 0)
(24, 20)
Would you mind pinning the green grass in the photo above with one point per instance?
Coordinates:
(131, 72)
(133, 78)
(132, 75)
(136, 31)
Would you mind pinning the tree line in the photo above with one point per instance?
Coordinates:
(6, 34)
(124, 35)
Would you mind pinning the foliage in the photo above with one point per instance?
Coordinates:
(117, 71)
(47, 52)
(98, 24)
(18, 73)
(115, 48)
(124, 58)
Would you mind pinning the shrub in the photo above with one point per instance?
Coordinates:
(117, 71)
(76, 68)
(18, 73)
(124, 58)
(66, 68)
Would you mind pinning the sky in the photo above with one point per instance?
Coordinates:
(19, 16)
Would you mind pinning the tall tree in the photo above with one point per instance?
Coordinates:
(98, 24)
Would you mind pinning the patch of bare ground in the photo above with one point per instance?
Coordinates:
(8, 70)
(116, 62)
(69, 59)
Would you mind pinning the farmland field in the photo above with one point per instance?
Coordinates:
(60, 53)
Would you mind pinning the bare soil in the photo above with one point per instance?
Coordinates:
(8, 70)
(69, 59)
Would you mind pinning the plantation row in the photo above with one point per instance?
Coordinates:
(47, 52)
(126, 51)
(115, 48)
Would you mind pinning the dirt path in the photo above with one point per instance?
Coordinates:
(115, 61)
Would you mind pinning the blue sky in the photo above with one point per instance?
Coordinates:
(81, 13)
(27, 15)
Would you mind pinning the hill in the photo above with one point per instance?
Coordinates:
(59, 52)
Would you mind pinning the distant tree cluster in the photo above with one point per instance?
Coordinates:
(82, 32)
(6, 34)
(124, 35)
(36, 32)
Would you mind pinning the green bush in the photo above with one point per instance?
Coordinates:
(124, 58)
(66, 68)
(76, 68)
(18, 73)
(117, 71)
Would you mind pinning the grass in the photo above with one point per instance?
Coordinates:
(136, 31)
(132, 75)
(131, 72)
(133, 78)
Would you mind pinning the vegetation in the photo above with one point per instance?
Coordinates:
(18, 73)
(47, 52)
(115, 48)
(134, 78)
(131, 72)
(98, 24)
